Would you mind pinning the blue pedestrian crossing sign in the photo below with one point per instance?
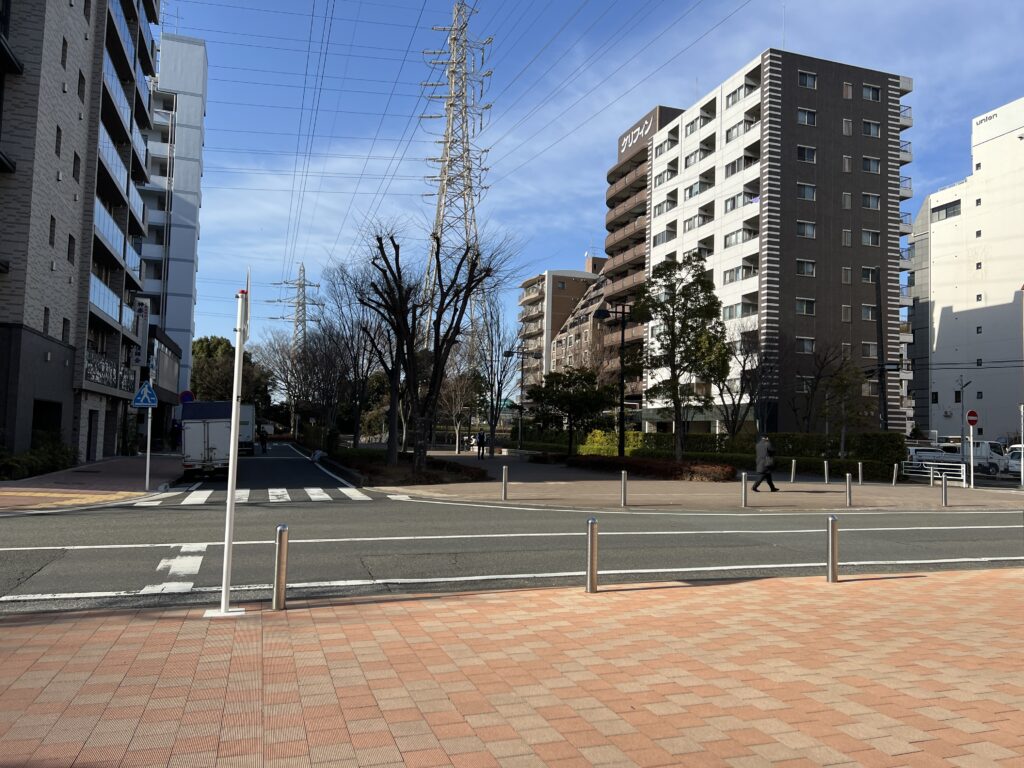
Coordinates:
(145, 397)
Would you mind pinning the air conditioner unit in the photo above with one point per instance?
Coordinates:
(947, 414)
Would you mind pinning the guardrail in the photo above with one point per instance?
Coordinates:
(932, 469)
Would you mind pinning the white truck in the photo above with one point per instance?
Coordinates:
(206, 434)
(989, 456)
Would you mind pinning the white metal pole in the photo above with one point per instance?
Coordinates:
(1022, 449)
(971, 438)
(236, 402)
(149, 441)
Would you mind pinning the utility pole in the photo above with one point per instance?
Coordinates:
(460, 165)
(300, 303)
(962, 385)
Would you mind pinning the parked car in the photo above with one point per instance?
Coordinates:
(919, 454)
(1013, 459)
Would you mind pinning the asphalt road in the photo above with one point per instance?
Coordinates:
(348, 541)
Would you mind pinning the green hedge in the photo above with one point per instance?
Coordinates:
(690, 468)
(38, 461)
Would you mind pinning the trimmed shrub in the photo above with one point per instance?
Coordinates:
(51, 457)
(687, 469)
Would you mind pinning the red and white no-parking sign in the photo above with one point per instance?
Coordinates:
(972, 417)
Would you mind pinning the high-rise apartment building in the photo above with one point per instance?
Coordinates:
(967, 287)
(173, 198)
(788, 177)
(71, 215)
(546, 301)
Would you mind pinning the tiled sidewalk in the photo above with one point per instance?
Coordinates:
(912, 670)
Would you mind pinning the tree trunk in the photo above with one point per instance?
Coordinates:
(394, 410)
(357, 421)
(420, 437)
(678, 427)
(458, 438)
(493, 427)
(572, 435)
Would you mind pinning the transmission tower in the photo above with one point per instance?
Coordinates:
(460, 165)
(300, 303)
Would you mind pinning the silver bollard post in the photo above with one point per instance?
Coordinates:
(504, 482)
(945, 490)
(280, 568)
(931, 477)
(592, 555)
(895, 470)
(860, 473)
(826, 472)
(833, 549)
(743, 490)
(792, 471)
(622, 495)
(849, 489)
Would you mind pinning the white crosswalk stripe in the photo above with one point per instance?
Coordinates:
(241, 495)
(355, 495)
(197, 497)
(279, 494)
(317, 494)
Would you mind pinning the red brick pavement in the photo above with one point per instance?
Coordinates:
(916, 670)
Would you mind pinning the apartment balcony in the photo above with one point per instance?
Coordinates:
(906, 333)
(145, 97)
(147, 48)
(622, 239)
(906, 223)
(157, 217)
(905, 371)
(140, 149)
(532, 293)
(628, 185)
(906, 300)
(151, 9)
(633, 206)
(108, 373)
(123, 30)
(624, 285)
(905, 258)
(633, 334)
(104, 302)
(906, 152)
(115, 90)
(635, 255)
(159, 149)
(906, 85)
(161, 118)
(108, 231)
(906, 187)
(133, 260)
(157, 183)
(137, 208)
(530, 330)
(635, 388)
(906, 117)
(112, 163)
(152, 251)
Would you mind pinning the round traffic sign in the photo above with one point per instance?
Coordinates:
(188, 397)
(972, 417)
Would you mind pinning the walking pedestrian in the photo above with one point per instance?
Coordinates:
(765, 462)
(263, 440)
(480, 444)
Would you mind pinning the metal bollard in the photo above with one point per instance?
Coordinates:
(945, 490)
(280, 568)
(895, 470)
(792, 471)
(860, 473)
(622, 495)
(592, 555)
(504, 482)
(931, 477)
(826, 472)
(833, 549)
(849, 490)
(743, 490)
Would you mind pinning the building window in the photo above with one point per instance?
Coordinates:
(869, 389)
(81, 86)
(807, 117)
(46, 321)
(65, 331)
(807, 80)
(76, 168)
(53, 231)
(977, 233)
(977, 362)
(868, 312)
(847, 273)
(872, 128)
(869, 349)
(935, 398)
(805, 229)
(981, 396)
(847, 201)
(868, 275)
(805, 306)
(846, 313)
(806, 191)
(977, 265)
(870, 201)
(847, 163)
(871, 164)
(804, 345)
(947, 211)
(870, 237)
(64, 53)
(71, 249)
(847, 354)
(847, 127)
(847, 238)
(806, 154)
(956, 396)
(872, 92)
(59, 140)
(977, 329)
(977, 166)
(977, 202)
(87, 9)
(805, 267)
(561, 285)
(847, 90)
(977, 297)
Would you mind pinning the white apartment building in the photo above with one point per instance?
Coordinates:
(967, 261)
(174, 194)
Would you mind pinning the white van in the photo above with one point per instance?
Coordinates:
(989, 456)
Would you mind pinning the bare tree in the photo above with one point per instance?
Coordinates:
(742, 381)
(497, 371)
(458, 392)
(289, 367)
(812, 372)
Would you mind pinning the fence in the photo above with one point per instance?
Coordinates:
(929, 470)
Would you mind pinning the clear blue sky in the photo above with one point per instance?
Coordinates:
(285, 185)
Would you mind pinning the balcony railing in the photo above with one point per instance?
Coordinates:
(108, 373)
(108, 228)
(136, 204)
(147, 33)
(142, 84)
(906, 112)
(116, 88)
(906, 182)
(139, 143)
(121, 22)
(905, 218)
(905, 291)
(133, 259)
(129, 320)
(103, 298)
(110, 155)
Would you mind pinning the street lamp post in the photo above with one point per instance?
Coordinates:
(623, 313)
(523, 353)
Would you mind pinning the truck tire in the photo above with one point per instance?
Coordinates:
(993, 470)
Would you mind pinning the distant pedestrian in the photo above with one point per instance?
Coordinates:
(765, 462)
(480, 444)
(175, 434)
(263, 440)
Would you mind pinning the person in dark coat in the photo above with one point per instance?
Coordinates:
(765, 462)
(480, 441)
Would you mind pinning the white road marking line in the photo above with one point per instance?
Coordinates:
(185, 564)
(197, 497)
(278, 494)
(154, 501)
(327, 472)
(355, 495)
(194, 486)
(241, 495)
(167, 587)
(400, 497)
(317, 494)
